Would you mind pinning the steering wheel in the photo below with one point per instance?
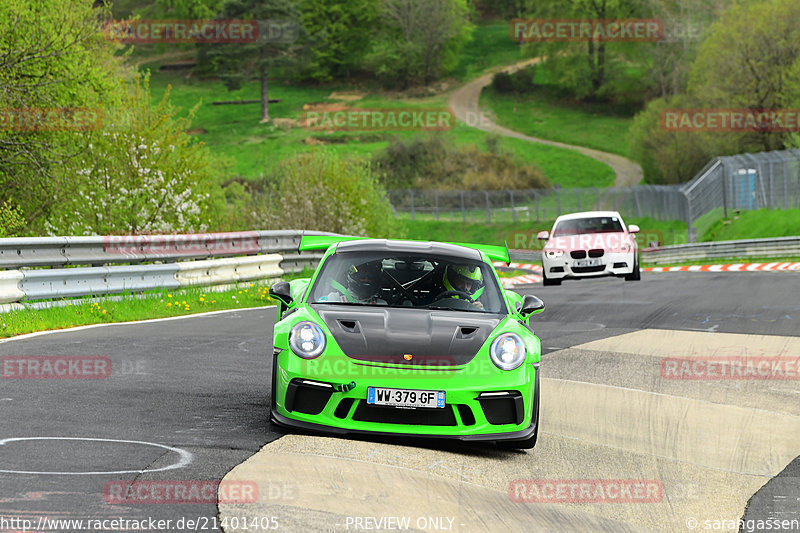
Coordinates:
(445, 294)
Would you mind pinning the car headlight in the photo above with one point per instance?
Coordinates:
(554, 254)
(307, 340)
(507, 351)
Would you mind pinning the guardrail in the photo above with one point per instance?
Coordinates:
(182, 261)
(746, 248)
(99, 250)
(177, 261)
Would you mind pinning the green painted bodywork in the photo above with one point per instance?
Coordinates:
(323, 242)
(462, 384)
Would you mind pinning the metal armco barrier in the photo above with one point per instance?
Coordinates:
(99, 250)
(746, 248)
(9, 286)
(220, 271)
(180, 261)
(70, 282)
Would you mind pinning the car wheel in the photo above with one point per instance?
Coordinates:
(549, 281)
(636, 275)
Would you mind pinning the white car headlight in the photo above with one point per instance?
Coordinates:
(307, 340)
(508, 351)
(554, 254)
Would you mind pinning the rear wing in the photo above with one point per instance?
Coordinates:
(322, 242)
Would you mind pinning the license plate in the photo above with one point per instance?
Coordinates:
(587, 263)
(405, 397)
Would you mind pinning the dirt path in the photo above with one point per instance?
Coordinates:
(464, 103)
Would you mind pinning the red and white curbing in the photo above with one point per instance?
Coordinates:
(520, 280)
(737, 267)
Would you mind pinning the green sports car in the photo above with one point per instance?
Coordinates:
(406, 338)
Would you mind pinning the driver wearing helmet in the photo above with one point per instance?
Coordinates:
(362, 285)
(465, 279)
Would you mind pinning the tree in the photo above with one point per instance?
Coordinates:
(684, 29)
(667, 157)
(268, 56)
(52, 57)
(420, 39)
(588, 69)
(140, 174)
(757, 69)
(190, 9)
(341, 31)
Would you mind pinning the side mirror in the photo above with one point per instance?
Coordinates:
(543, 235)
(531, 305)
(282, 292)
(633, 228)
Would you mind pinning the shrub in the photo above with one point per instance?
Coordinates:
(11, 220)
(667, 157)
(431, 163)
(140, 174)
(321, 191)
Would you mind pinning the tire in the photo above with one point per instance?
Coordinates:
(549, 281)
(636, 275)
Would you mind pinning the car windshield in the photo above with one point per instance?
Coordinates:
(403, 280)
(577, 226)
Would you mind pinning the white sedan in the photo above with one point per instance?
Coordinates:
(589, 244)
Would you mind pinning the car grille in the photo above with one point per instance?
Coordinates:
(596, 252)
(391, 415)
(578, 254)
(584, 270)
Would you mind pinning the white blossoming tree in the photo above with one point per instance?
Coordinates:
(141, 173)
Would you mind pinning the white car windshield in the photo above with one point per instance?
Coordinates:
(577, 226)
(403, 280)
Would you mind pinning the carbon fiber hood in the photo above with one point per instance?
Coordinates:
(390, 335)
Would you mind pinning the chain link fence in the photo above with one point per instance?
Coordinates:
(747, 181)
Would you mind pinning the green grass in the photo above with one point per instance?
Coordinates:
(759, 223)
(153, 304)
(234, 130)
(547, 115)
(522, 234)
(491, 46)
(724, 261)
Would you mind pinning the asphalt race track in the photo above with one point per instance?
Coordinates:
(186, 400)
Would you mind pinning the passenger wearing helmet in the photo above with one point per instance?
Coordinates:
(363, 284)
(466, 279)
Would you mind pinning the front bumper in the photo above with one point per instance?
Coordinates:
(305, 396)
(611, 264)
